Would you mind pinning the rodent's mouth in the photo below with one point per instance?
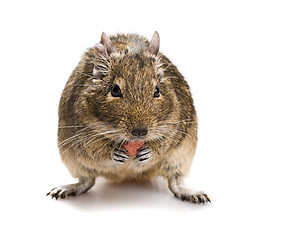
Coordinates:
(133, 142)
(136, 139)
(132, 147)
(150, 137)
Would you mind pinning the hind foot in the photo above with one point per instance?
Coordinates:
(197, 197)
(82, 186)
(175, 185)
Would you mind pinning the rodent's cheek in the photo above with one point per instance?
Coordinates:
(167, 110)
(160, 98)
(109, 97)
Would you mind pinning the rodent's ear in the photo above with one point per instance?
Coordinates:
(101, 61)
(107, 43)
(154, 44)
(102, 52)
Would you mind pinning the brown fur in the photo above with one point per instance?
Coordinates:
(92, 122)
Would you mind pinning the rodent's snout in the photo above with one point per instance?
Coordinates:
(139, 131)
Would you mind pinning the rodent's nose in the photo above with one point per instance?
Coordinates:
(139, 131)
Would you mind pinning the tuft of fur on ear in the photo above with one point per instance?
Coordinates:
(101, 61)
(154, 44)
(102, 52)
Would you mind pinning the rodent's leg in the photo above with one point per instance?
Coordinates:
(84, 184)
(119, 154)
(175, 184)
(144, 153)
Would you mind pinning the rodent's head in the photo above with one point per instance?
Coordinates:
(130, 94)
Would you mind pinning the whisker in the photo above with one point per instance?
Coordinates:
(99, 135)
(76, 126)
(80, 133)
(167, 66)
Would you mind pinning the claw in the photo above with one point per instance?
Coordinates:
(56, 195)
(144, 153)
(119, 155)
(200, 198)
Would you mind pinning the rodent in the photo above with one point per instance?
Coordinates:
(125, 91)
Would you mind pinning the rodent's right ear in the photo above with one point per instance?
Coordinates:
(102, 52)
(105, 48)
(101, 61)
(107, 43)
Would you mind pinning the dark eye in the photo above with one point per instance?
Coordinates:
(157, 92)
(116, 92)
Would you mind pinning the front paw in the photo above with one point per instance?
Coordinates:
(144, 153)
(119, 154)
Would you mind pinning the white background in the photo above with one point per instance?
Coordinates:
(246, 64)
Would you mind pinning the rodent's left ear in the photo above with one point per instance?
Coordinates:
(154, 44)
